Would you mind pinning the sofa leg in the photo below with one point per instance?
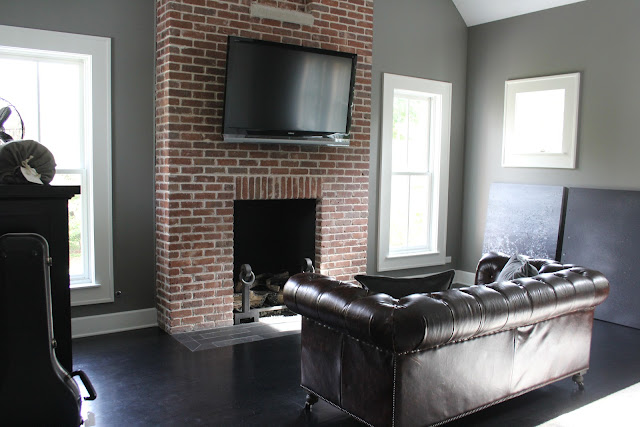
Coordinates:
(579, 379)
(311, 399)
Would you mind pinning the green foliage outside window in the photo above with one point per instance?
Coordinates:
(75, 227)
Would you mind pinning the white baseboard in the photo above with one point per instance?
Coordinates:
(465, 278)
(113, 322)
(137, 319)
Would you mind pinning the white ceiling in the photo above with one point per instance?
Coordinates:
(476, 12)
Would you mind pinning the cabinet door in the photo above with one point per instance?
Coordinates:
(49, 218)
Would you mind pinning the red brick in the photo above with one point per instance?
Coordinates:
(193, 188)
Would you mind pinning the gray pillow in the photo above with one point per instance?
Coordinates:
(19, 154)
(517, 267)
(400, 287)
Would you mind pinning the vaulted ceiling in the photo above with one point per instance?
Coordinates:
(476, 12)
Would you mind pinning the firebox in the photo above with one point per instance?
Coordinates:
(273, 237)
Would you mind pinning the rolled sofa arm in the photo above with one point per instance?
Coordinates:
(422, 321)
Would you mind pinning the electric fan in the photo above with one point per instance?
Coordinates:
(11, 124)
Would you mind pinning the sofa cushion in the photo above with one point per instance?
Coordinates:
(400, 287)
(517, 267)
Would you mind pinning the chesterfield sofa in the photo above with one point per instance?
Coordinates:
(426, 359)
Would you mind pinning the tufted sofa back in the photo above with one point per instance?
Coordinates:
(422, 321)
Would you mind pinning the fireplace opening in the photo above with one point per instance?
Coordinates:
(273, 238)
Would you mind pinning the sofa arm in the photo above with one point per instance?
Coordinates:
(378, 319)
(343, 306)
(321, 297)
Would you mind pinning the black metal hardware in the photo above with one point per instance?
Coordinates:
(86, 382)
(307, 266)
(579, 380)
(247, 278)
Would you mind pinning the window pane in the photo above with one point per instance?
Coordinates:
(400, 133)
(539, 121)
(76, 226)
(411, 132)
(398, 226)
(61, 109)
(418, 151)
(419, 212)
(57, 122)
(19, 86)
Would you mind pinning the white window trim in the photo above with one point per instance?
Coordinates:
(442, 95)
(100, 290)
(567, 158)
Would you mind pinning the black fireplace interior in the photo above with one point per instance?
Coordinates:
(273, 236)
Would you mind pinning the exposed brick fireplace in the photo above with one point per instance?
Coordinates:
(198, 176)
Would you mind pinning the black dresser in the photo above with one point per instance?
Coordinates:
(44, 210)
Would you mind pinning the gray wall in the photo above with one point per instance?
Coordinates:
(425, 39)
(411, 37)
(598, 38)
(131, 26)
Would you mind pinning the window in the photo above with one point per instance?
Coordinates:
(60, 83)
(541, 122)
(414, 174)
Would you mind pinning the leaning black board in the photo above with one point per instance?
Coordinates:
(602, 231)
(524, 219)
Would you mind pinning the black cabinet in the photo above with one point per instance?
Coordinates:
(44, 210)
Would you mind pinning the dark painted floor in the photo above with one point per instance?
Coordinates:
(146, 378)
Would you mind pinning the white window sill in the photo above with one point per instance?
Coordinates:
(390, 263)
(90, 293)
(87, 285)
(407, 254)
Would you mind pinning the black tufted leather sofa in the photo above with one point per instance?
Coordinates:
(426, 359)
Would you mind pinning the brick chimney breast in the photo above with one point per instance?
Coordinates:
(198, 176)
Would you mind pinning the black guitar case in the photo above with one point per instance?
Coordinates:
(35, 389)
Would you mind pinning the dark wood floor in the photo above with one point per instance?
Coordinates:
(146, 378)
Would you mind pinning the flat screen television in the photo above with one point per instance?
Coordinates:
(287, 94)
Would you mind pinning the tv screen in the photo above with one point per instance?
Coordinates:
(279, 91)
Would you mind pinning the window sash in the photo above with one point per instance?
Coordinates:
(406, 104)
(36, 62)
(541, 109)
(63, 132)
(95, 53)
(430, 248)
(412, 153)
(86, 236)
(418, 239)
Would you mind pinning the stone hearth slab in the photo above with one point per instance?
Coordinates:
(266, 328)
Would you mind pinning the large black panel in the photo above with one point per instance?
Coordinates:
(602, 231)
(524, 219)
